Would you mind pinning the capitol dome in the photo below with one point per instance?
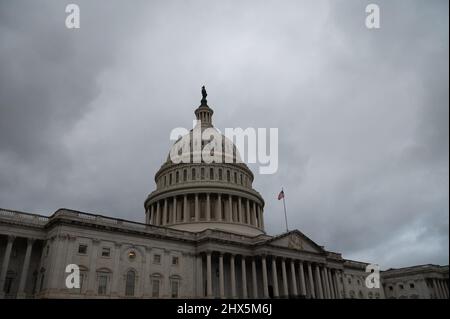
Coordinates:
(205, 185)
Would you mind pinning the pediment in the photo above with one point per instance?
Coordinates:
(296, 240)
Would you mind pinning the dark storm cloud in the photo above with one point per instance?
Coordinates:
(362, 114)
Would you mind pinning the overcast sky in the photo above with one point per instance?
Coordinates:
(85, 115)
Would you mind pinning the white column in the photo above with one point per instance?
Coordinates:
(230, 209)
(302, 279)
(445, 287)
(293, 279)
(254, 279)
(158, 214)
(265, 281)
(219, 207)
(57, 270)
(311, 281)
(336, 284)
(221, 280)
(26, 265)
(174, 210)
(247, 211)
(330, 283)
(318, 282)
(208, 208)
(284, 274)
(244, 278)
(148, 215)
(253, 210)
(185, 209)
(341, 276)
(92, 267)
(441, 290)
(208, 275)
(164, 222)
(241, 215)
(275, 278)
(325, 282)
(199, 274)
(197, 209)
(233, 277)
(144, 273)
(261, 213)
(5, 263)
(116, 275)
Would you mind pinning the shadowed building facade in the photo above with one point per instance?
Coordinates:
(203, 237)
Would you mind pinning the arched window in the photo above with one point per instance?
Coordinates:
(130, 283)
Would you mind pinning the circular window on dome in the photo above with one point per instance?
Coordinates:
(131, 255)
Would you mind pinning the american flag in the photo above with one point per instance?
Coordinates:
(281, 195)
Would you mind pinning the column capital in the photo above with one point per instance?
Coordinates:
(30, 241)
(11, 238)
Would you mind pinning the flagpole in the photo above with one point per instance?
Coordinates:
(285, 214)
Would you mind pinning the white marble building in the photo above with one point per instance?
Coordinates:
(203, 237)
(417, 282)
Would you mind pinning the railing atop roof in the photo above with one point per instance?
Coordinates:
(121, 223)
(23, 217)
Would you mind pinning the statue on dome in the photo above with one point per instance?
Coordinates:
(204, 94)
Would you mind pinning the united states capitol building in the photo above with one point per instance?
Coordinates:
(203, 237)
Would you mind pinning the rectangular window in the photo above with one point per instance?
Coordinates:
(228, 176)
(211, 173)
(185, 175)
(202, 173)
(155, 288)
(157, 259)
(175, 286)
(411, 285)
(174, 260)
(235, 177)
(220, 174)
(102, 284)
(193, 174)
(106, 252)
(82, 249)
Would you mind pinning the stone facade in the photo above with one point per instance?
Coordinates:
(203, 237)
(417, 282)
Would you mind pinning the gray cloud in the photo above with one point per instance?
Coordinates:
(362, 114)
